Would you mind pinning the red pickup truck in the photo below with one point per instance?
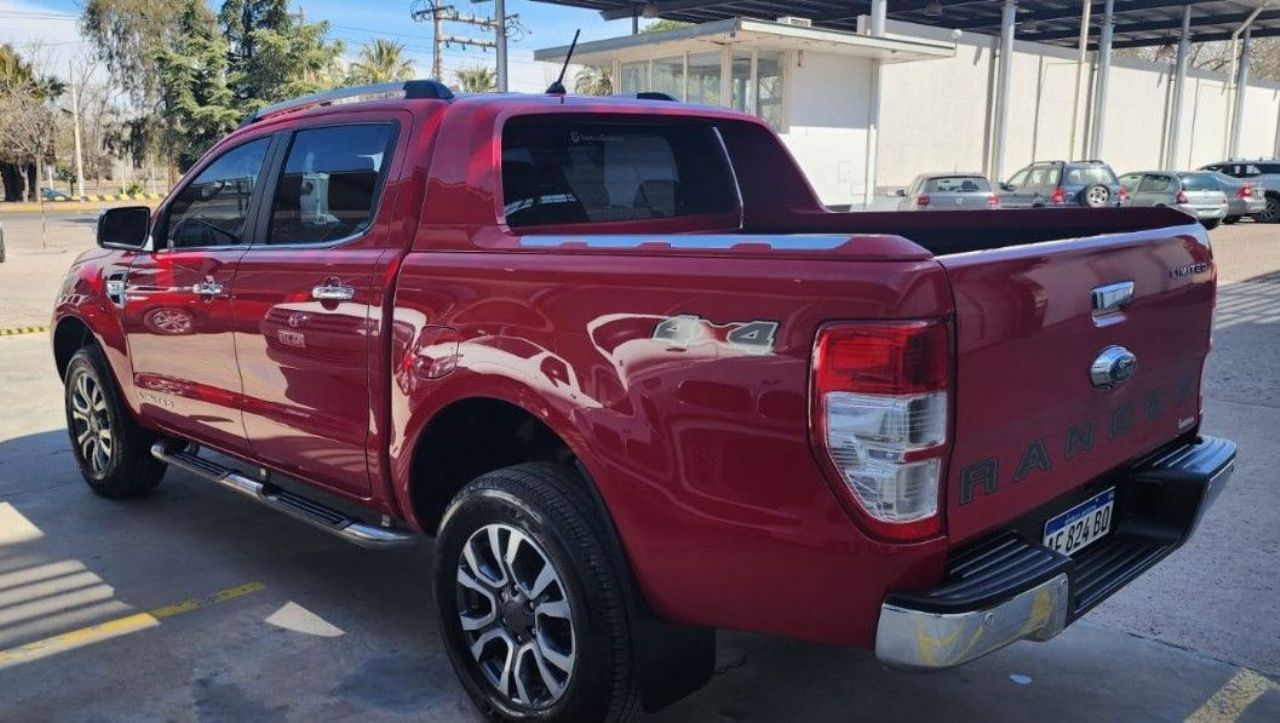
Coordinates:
(639, 384)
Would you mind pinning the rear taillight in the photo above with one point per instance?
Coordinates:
(1058, 196)
(1181, 198)
(1245, 191)
(1124, 194)
(993, 200)
(922, 200)
(880, 411)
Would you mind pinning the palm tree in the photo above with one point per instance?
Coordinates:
(476, 80)
(593, 81)
(381, 61)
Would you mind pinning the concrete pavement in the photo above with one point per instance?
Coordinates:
(192, 604)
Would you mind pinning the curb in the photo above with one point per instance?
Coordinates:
(19, 330)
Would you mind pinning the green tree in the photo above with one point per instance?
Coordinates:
(273, 55)
(125, 33)
(658, 26)
(381, 61)
(196, 101)
(593, 80)
(28, 123)
(476, 80)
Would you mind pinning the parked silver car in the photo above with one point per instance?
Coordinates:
(948, 191)
(1196, 193)
(1264, 172)
(1243, 198)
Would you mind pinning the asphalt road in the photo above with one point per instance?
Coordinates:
(192, 604)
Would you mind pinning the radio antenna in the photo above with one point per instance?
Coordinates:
(557, 88)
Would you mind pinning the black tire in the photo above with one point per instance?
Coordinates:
(123, 467)
(1211, 224)
(548, 504)
(1229, 220)
(1271, 214)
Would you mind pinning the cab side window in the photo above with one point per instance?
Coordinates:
(1156, 184)
(329, 187)
(1019, 179)
(211, 210)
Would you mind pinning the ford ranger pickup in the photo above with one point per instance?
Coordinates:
(639, 384)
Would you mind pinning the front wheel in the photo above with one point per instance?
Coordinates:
(112, 451)
(531, 599)
(1211, 224)
(1230, 220)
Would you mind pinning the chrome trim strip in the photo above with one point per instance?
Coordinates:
(914, 640)
(796, 242)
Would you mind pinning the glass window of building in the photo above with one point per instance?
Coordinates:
(632, 78)
(668, 76)
(704, 78)
(769, 88)
(743, 95)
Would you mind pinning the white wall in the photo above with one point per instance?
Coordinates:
(827, 124)
(936, 114)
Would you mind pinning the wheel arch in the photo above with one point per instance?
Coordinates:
(69, 335)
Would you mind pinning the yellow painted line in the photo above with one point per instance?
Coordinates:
(117, 627)
(19, 330)
(1232, 699)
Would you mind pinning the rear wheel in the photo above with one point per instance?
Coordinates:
(112, 451)
(531, 599)
(1095, 196)
(1271, 213)
(1230, 220)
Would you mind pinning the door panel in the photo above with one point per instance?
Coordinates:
(304, 305)
(184, 364)
(177, 301)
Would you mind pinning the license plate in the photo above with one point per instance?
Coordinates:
(1082, 525)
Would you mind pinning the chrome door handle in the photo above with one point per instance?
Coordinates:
(208, 287)
(332, 292)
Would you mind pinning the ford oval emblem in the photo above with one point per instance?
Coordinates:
(1113, 367)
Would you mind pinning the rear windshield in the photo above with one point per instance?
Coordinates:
(958, 184)
(1200, 182)
(1089, 175)
(562, 170)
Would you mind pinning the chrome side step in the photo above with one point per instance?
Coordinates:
(313, 513)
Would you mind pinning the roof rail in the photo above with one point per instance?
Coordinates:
(409, 88)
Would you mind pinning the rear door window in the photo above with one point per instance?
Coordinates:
(330, 183)
(567, 171)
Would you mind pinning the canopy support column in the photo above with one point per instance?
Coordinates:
(1008, 22)
(1242, 87)
(1179, 90)
(1104, 78)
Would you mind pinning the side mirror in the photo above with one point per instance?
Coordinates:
(900, 193)
(124, 227)
(1006, 187)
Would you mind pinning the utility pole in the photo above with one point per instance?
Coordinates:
(441, 14)
(75, 128)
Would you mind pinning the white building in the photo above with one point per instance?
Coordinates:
(863, 115)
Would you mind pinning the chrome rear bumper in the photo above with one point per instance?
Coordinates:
(1005, 589)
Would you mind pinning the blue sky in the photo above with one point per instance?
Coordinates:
(24, 22)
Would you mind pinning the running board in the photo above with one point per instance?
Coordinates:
(313, 513)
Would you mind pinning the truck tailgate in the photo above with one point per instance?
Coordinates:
(1030, 424)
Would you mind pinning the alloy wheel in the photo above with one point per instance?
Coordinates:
(516, 616)
(92, 424)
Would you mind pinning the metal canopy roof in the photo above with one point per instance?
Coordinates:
(1056, 22)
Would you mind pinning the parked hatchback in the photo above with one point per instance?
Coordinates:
(1091, 184)
(948, 191)
(1196, 193)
